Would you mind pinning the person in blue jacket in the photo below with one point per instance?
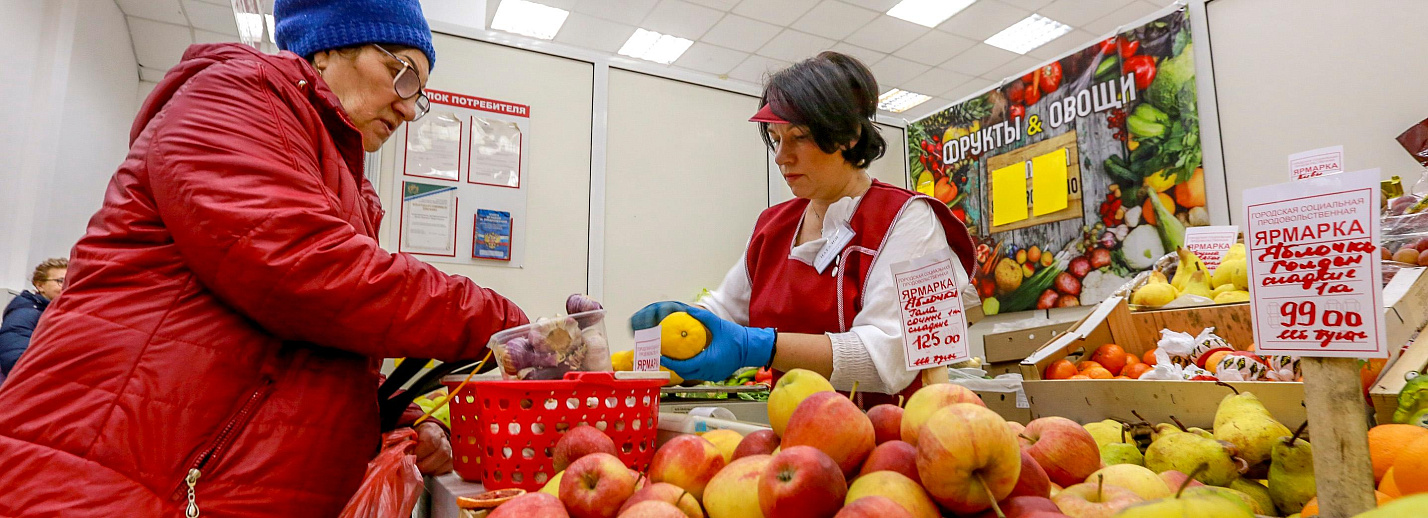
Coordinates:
(23, 313)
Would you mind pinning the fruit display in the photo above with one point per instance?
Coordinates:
(549, 347)
(965, 460)
(1194, 284)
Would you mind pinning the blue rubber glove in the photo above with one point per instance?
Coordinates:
(651, 315)
(731, 347)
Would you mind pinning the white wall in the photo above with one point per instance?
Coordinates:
(69, 87)
(1295, 75)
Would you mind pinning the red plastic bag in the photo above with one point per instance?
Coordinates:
(392, 484)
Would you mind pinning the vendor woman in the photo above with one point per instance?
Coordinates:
(815, 289)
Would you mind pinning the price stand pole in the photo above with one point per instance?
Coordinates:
(1316, 288)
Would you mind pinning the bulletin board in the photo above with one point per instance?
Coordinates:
(460, 172)
(556, 162)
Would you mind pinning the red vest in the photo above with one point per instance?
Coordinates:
(793, 297)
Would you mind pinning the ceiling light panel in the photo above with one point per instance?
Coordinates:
(529, 19)
(898, 101)
(656, 47)
(928, 13)
(1034, 31)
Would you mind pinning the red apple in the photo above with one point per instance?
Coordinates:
(652, 509)
(1043, 514)
(830, 422)
(1094, 500)
(1033, 480)
(968, 458)
(595, 485)
(687, 461)
(887, 422)
(1020, 506)
(531, 504)
(802, 481)
(896, 456)
(668, 493)
(1016, 427)
(930, 399)
(1063, 448)
(734, 491)
(1174, 478)
(761, 442)
(873, 507)
(896, 487)
(579, 442)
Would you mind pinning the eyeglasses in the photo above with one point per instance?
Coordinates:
(59, 280)
(408, 85)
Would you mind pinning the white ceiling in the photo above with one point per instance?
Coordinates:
(741, 40)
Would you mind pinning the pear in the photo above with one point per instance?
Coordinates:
(1406, 507)
(1196, 502)
(1231, 297)
(1163, 429)
(1186, 451)
(1256, 491)
(1244, 422)
(1121, 453)
(1189, 265)
(1154, 295)
(1221, 288)
(1291, 473)
(1232, 271)
(1198, 284)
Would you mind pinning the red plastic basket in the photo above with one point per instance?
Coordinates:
(503, 431)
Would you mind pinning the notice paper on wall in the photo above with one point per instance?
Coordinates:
(1049, 191)
(933, 323)
(1314, 270)
(428, 219)
(647, 349)
(474, 146)
(1009, 194)
(434, 146)
(1316, 162)
(495, 152)
(1211, 243)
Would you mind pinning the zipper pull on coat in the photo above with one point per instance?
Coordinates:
(192, 481)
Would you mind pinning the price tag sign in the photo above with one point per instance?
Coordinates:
(933, 323)
(1314, 270)
(1211, 243)
(1317, 162)
(647, 349)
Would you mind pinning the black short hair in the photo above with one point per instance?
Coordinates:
(836, 97)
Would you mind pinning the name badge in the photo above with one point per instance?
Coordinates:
(833, 247)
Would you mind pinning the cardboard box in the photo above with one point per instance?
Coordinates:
(1405, 301)
(1005, 404)
(1192, 402)
(1015, 346)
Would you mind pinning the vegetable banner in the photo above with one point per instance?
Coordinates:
(1106, 144)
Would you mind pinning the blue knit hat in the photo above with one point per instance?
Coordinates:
(307, 27)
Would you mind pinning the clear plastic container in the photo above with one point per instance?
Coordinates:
(549, 347)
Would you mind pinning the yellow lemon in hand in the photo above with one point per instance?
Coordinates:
(682, 336)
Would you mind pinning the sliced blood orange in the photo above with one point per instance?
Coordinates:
(488, 499)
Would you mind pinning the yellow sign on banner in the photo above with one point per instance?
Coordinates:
(1048, 183)
(1009, 194)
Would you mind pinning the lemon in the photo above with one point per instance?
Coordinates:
(623, 360)
(674, 379)
(682, 336)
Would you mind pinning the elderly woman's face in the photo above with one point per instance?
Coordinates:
(363, 82)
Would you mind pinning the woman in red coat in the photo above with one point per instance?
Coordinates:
(815, 288)
(218, 343)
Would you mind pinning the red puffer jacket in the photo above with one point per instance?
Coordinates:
(226, 311)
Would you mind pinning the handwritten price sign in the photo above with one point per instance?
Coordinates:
(1315, 277)
(933, 324)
